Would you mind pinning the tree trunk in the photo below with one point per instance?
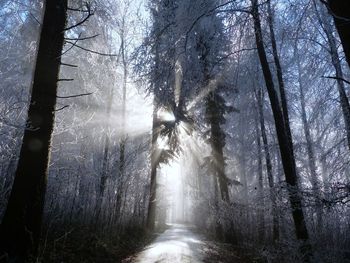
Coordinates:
(275, 227)
(21, 225)
(339, 76)
(218, 224)
(152, 206)
(309, 147)
(215, 110)
(242, 158)
(340, 10)
(284, 140)
(122, 144)
(260, 202)
(152, 203)
(217, 142)
(279, 74)
(105, 162)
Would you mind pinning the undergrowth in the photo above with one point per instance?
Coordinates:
(84, 245)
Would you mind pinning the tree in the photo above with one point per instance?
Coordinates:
(260, 97)
(309, 143)
(325, 22)
(162, 86)
(21, 225)
(260, 179)
(123, 34)
(340, 10)
(207, 44)
(215, 110)
(284, 140)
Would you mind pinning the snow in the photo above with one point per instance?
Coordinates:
(176, 245)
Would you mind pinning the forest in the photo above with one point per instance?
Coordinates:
(150, 131)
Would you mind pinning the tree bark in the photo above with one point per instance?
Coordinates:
(214, 104)
(122, 144)
(217, 142)
(340, 10)
(21, 225)
(260, 199)
(279, 73)
(275, 227)
(105, 165)
(285, 143)
(152, 205)
(344, 100)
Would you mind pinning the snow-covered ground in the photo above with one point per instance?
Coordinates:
(178, 244)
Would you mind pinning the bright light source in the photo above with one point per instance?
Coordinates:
(166, 115)
(162, 143)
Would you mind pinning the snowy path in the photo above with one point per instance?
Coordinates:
(178, 244)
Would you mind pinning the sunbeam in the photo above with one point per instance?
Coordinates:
(165, 114)
(177, 131)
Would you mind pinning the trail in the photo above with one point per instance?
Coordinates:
(178, 244)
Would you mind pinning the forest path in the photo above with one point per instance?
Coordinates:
(178, 244)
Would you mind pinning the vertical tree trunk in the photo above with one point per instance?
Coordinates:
(152, 203)
(217, 142)
(309, 145)
(218, 225)
(261, 203)
(215, 110)
(279, 73)
(339, 76)
(152, 206)
(122, 144)
(242, 158)
(21, 225)
(275, 227)
(340, 10)
(105, 161)
(285, 143)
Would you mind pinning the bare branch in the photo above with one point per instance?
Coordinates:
(65, 79)
(76, 41)
(324, 2)
(62, 108)
(77, 10)
(69, 65)
(211, 12)
(81, 38)
(89, 14)
(336, 78)
(235, 52)
(91, 51)
(74, 96)
(36, 20)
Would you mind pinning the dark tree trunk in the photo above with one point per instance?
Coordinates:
(339, 76)
(260, 199)
(275, 227)
(279, 74)
(217, 140)
(152, 203)
(340, 10)
(105, 163)
(215, 110)
(122, 144)
(284, 140)
(152, 206)
(21, 225)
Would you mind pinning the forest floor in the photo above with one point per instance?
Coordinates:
(181, 244)
(175, 243)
